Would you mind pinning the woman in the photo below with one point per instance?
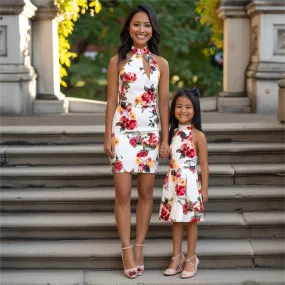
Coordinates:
(132, 137)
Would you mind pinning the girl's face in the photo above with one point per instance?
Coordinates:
(184, 110)
(140, 29)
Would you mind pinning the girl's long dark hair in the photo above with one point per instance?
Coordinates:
(193, 95)
(127, 42)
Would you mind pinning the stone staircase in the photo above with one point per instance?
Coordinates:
(57, 223)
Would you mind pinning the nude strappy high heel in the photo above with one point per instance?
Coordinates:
(189, 274)
(130, 273)
(171, 272)
(140, 268)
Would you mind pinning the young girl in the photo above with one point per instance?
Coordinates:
(183, 196)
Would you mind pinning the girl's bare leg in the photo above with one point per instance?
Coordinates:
(123, 189)
(192, 236)
(177, 236)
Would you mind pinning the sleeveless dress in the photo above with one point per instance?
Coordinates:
(182, 198)
(135, 126)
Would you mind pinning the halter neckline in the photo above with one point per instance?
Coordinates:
(140, 51)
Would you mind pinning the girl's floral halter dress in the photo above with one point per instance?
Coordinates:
(181, 198)
(135, 130)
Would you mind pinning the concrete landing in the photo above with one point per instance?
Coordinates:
(154, 277)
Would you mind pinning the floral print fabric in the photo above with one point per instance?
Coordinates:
(181, 198)
(135, 129)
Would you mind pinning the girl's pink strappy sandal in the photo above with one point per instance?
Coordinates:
(130, 273)
(188, 274)
(171, 272)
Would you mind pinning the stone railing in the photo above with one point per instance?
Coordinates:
(281, 99)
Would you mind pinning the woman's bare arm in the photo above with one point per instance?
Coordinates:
(164, 100)
(112, 100)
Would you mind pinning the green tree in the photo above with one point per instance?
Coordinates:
(207, 9)
(69, 11)
(185, 43)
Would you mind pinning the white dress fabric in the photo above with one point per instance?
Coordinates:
(181, 198)
(135, 126)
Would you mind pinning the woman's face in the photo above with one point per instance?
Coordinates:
(140, 29)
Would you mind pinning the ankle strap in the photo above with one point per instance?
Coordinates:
(126, 247)
(139, 244)
(174, 258)
(188, 259)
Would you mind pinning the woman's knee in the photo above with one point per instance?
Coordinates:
(123, 197)
(145, 194)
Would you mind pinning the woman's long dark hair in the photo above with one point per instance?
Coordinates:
(127, 42)
(193, 95)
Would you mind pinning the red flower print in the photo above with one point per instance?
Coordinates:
(131, 124)
(146, 97)
(123, 120)
(194, 220)
(186, 150)
(164, 213)
(118, 165)
(191, 153)
(142, 153)
(196, 209)
(185, 209)
(144, 50)
(129, 77)
(149, 95)
(153, 139)
(133, 142)
(180, 190)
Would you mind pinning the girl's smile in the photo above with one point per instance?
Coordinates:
(184, 110)
(140, 29)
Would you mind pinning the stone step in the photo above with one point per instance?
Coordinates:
(93, 154)
(221, 199)
(90, 254)
(95, 176)
(66, 134)
(103, 225)
(239, 276)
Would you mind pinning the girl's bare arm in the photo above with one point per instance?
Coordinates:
(203, 155)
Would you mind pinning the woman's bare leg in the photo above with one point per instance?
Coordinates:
(123, 189)
(143, 212)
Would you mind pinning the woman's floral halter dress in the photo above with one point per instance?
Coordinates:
(135, 130)
(181, 198)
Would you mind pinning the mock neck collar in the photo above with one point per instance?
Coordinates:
(140, 51)
(184, 127)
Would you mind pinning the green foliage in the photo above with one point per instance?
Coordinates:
(69, 11)
(185, 43)
(207, 9)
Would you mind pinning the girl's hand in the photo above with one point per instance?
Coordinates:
(164, 150)
(109, 147)
(204, 195)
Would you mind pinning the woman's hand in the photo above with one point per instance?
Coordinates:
(164, 150)
(109, 147)
(205, 196)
